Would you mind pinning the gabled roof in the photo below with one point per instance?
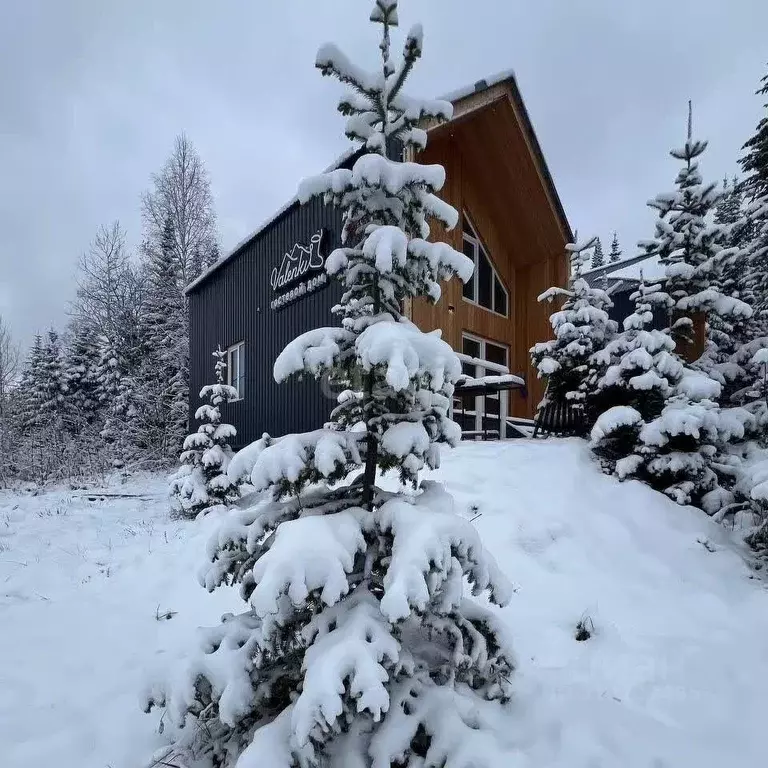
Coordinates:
(463, 100)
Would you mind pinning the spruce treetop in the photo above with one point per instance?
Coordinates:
(598, 258)
(754, 162)
(615, 253)
(688, 245)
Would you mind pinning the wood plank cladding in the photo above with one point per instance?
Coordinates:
(492, 174)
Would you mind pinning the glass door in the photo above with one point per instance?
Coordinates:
(480, 415)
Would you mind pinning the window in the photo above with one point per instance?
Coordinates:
(485, 287)
(236, 368)
(481, 413)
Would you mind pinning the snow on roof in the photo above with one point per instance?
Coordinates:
(652, 269)
(457, 95)
(627, 269)
(480, 85)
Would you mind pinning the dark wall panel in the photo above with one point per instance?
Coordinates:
(233, 305)
(623, 306)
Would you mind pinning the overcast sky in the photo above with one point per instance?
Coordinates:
(92, 93)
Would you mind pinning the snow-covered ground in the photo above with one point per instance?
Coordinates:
(674, 674)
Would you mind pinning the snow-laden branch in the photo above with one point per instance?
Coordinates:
(429, 543)
(313, 352)
(405, 353)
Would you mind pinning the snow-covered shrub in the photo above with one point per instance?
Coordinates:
(202, 482)
(636, 373)
(581, 329)
(359, 646)
(684, 448)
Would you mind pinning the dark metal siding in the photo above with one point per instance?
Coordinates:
(232, 305)
(623, 306)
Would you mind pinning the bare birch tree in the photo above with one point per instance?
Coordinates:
(9, 369)
(107, 291)
(181, 194)
(9, 361)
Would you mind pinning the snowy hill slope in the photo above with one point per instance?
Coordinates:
(675, 674)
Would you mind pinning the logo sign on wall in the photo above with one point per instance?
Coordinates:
(293, 278)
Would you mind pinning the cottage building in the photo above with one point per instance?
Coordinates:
(273, 286)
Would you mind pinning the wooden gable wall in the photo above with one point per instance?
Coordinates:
(492, 175)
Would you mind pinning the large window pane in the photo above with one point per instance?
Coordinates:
(484, 281)
(469, 286)
(241, 371)
(495, 353)
(471, 347)
(234, 367)
(499, 296)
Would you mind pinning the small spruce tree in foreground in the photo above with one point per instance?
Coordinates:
(202, 481)
(359, 645)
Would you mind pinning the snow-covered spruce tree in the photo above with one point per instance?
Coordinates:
(637, 373)
(754, 164)
(729, 210)
(80, 372)
(615, 253)
(685, 451)
(753, 356)
(754, 161)
(53, 385)
(727, 332)
(598, 257)
(202, 481)
(745, 369)
(163, 379)
(581, 328)
(359, 647)
(114, 391)
(31, 388)
(689, 246)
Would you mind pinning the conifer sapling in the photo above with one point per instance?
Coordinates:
(690, 247)
(637, 373)
(202, 481)
(358, 645)
(615, 253)
(581, 328)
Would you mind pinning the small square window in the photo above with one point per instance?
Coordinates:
(471, 347)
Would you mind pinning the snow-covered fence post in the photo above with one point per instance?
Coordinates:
(358, 645)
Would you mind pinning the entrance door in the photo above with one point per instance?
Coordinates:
(481, 414)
